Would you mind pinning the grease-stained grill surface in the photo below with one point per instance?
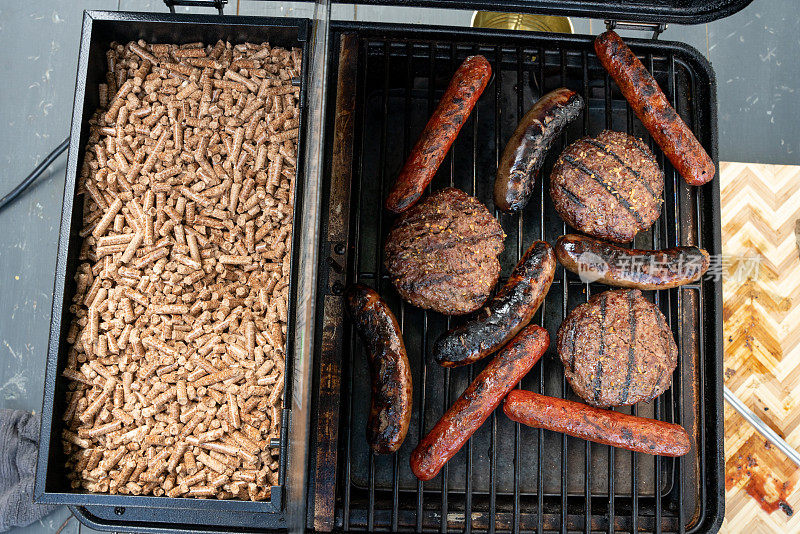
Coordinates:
(510, 477)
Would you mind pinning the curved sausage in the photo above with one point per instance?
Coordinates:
(390, 411)
(595, 424)
(465, 88)
(525, 152)
(506, 314)
(654, 110)
(478, 401)
(597, 261)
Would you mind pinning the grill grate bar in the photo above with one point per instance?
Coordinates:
(395, 490)
(468, 497)
(609, 126)
(493, 418)
(564, 441)
(363, 60)
(406, 150)
(379, 250)
(697, 193)
(424, 367)
(371, 508)
(517, 426)
(657, 300)
(629, 127)
(678, 384)
(349, 444)
(423, 379)
(449, 162)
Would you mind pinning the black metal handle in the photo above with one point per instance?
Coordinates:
(656, 27)
(219, 5)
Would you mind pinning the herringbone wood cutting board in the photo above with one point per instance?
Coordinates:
(760, 210)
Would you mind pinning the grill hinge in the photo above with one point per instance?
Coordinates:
(219, 5)
(656, 27)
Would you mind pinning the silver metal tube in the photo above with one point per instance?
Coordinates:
(761, 426)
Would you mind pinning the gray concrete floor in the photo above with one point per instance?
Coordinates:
(755, 53)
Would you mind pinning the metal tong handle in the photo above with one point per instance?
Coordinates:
(761, 426)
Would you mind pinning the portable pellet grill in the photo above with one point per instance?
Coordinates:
(367, 91)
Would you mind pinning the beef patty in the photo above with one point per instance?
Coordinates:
(609, 186)
(442, 253)
(617, 349)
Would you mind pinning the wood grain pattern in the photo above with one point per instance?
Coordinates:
(760, 207)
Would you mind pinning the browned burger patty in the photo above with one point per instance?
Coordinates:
(442, 253)
(617, 349)
(609, 186)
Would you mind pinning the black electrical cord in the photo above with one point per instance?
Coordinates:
(17, 191)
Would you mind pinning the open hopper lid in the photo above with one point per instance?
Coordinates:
(676, 11)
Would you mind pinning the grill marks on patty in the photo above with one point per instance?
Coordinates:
(598, 374)
(609, 187)
(645, 150)
(622, 178)
(572, 196)
(631, 350)
(617, 349)
(442, 253)
(433, 280)
(572, 351)
(609, 149)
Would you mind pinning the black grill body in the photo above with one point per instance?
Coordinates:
(508, 477)
(147, 513)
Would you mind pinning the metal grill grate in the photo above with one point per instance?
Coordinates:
(510, 477)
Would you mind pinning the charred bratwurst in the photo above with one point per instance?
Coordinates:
(506, 313)
(525, 152)
(596, 424)
(390, 410)
(599, 261)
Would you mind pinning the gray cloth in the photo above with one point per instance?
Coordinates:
(19, 439)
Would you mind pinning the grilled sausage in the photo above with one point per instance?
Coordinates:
(654, 110)
(525, 152)
(597, 261)
(390, 412)
(478, 401)
(596, 424)
(465, 88)
(507, 313)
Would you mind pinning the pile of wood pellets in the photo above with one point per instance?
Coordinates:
(176, 365)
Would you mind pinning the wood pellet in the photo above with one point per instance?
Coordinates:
(175, 371)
